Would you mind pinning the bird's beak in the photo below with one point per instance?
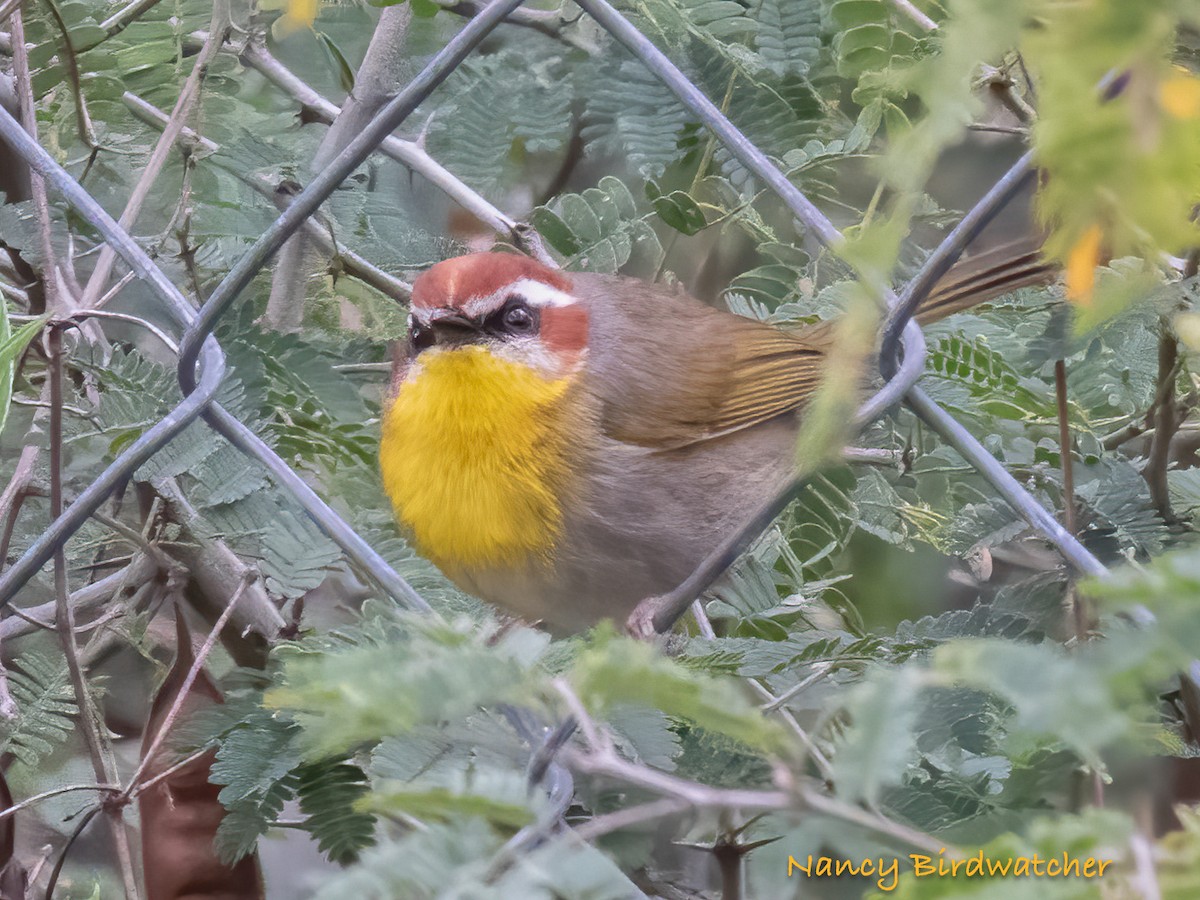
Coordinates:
(455, 328)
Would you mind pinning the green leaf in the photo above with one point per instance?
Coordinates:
(12, 345)
(341, 65)
(1087, 717)
(677, 209)
(330, 791)
(45, 708)
(501, 797)
(614, 670)
(880, 743)
(351, 696)
(600, 230)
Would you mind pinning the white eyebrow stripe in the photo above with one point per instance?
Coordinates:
(534, 292)
(538, 293)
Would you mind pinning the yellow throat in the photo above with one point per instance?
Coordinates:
(474, 459)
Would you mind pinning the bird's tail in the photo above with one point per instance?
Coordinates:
(984, 276)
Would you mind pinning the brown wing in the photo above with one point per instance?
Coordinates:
(669, 371)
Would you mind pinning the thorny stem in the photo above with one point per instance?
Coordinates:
(728, 855)
(100, 754)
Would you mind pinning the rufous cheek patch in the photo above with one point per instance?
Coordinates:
(454, 282)
(565, 328)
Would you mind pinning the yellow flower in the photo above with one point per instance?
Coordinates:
(299, 14)
(1081, 266)
(1180, 96)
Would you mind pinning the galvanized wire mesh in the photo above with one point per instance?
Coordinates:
(201, 359)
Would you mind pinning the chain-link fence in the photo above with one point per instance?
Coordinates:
(202, 360)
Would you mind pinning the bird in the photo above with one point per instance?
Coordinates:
(565, 445)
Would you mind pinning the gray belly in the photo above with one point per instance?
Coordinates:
(642, 523)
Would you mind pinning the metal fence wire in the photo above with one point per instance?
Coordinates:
(202, 360)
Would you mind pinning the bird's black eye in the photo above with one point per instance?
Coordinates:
(420, 335)
(517, 318)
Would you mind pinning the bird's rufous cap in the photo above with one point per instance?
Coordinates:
(455, 282)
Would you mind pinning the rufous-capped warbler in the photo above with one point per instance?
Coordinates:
(566, 445)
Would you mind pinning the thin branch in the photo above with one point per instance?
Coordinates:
(819, 671)
(999, 129)
(57, 792)
(871, 456)
(82, 314)
(137, 787)
(352, 264)
(1165, 424)
(377, 80)
(839, 809)
(83, 121)
(95, 741)
(24, 87)
(1145, 880)
(1064, 445)
(629, 816)
(8, 8)
(124, 17)
(548, 22)
(776, 704)
(86, 599)
(1001, 84)
(919, 18)
(182, 695)
(216, 571)
(20, 485)
(84, 821)
(407, 153)
(188, 97)
(1145, 425)
(699, 796)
